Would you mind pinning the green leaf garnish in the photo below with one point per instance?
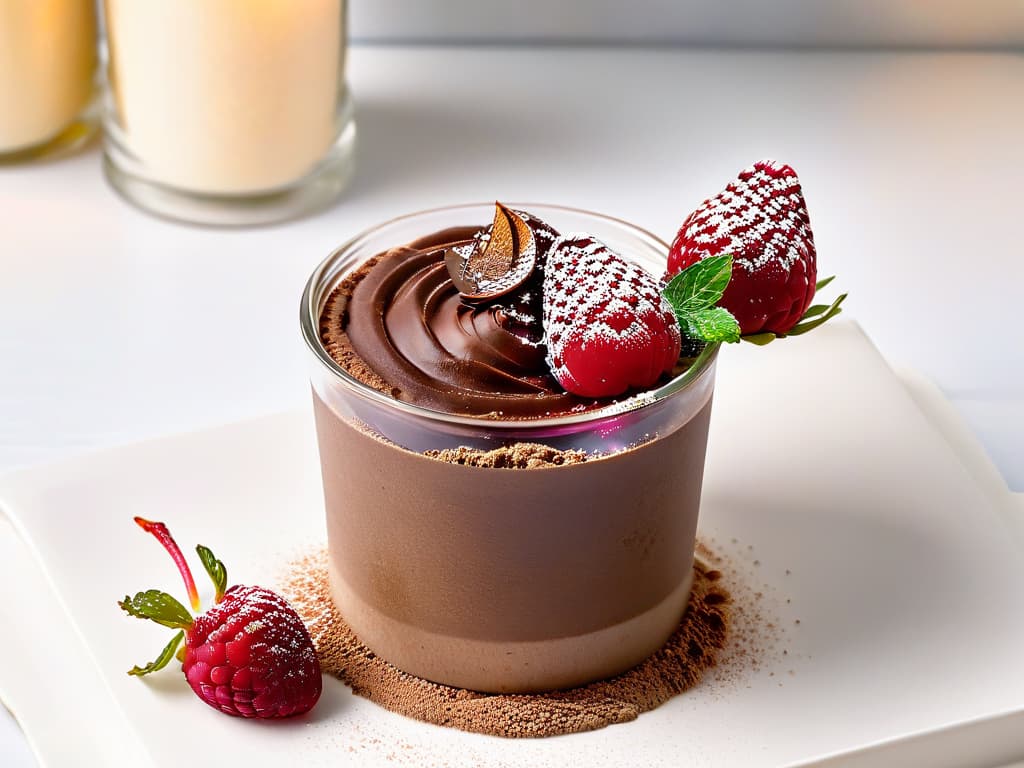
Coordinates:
(159, 607)
(700, 285)
(695, 291)
(823, 282)
(693, 294)
(215, 568)
(814, 316)
(162, 660)
(760, 338)
(826, 315)
(814, 310)
(714, 324)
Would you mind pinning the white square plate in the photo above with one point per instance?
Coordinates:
(904, 570)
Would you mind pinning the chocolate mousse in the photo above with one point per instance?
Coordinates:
(413, 323)
(472, 540)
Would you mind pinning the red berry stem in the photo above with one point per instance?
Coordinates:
(159, 530)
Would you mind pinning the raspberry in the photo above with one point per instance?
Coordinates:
(761, 220)
(248, 655)
(606, 325)
(251, 655)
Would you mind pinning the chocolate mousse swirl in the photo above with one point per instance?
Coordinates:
(406, 320)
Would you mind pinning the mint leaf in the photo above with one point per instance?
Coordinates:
(162, 660)
(700, 285)
(693, 294)
(215, 568)
(159, 607)
(715, 324)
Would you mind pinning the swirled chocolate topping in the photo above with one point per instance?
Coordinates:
(476, 352)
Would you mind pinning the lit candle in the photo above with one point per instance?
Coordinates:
(47, 67)
(224, 97)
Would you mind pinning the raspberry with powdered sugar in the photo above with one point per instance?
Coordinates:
(248, 655)
(607, 327)
(743, 266)
(761, 220)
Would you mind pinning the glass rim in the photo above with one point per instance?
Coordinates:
(309, 319)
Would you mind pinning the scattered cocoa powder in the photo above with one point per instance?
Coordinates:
(677, 666)
(517, 456)
(757, 633)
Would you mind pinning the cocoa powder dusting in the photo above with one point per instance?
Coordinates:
(517, 456)
(677, 666)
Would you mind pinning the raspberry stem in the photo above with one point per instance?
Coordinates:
(159, 530)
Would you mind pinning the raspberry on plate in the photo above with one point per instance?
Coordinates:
(248, 655)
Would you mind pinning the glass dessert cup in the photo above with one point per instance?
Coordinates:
(508, 580)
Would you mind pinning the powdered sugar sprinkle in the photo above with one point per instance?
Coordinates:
(592, 295)
(760, 218)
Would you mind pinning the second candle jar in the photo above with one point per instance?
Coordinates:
(227, 111)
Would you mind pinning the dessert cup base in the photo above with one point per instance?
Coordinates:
(533, 666)
(310, 194)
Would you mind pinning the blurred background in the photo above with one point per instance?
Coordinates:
(788, 23)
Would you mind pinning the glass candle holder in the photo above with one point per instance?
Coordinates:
(47, 76)
(508, 580)
(228, 112)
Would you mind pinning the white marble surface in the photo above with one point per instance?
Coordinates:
(115, 326)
